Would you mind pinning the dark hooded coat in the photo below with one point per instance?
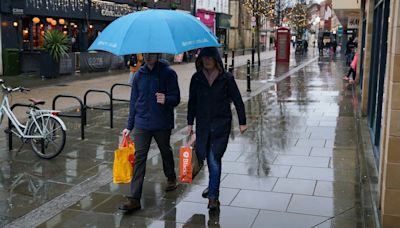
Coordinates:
(210, 106)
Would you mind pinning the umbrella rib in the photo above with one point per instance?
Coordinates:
(170, 33)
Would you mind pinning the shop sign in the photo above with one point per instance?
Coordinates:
(17, 11)
(109, 10)
(353, 22)
(100, 62)
(253, 21)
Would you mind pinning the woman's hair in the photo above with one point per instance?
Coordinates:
(200, 64)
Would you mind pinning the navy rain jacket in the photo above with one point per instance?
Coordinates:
(144, 111)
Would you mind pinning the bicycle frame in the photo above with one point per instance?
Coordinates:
(23, 130)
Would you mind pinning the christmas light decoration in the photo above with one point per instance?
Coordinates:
(265, 8)
(298, 18)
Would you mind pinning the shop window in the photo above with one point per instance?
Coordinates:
(377, 72)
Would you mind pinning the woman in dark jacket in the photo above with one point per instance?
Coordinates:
(210, 95)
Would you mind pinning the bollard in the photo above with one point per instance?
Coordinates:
(226, 60)
(248, 76)
(233, 58)
(253, 51)
(231, 69)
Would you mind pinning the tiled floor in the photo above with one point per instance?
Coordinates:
(295, 167)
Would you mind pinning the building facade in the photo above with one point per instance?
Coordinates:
(23, 22)
(215, 15)
(379, 63)
(241, 33)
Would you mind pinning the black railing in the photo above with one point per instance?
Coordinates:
(112, 92)
(81, 115)
(100, 108)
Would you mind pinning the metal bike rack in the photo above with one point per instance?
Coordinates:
(10, 125)
(112, 91)
(81, 115)
(99, 108)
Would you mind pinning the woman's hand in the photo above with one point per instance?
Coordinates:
(242, 128)
(190, 129)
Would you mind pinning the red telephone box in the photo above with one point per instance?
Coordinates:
(283, 44)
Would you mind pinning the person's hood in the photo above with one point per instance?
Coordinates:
(160, 65)
(210, 52)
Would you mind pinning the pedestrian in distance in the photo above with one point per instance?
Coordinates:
(334, 46)
(305, 44)
(154, 95)
(350, 46)
(352, 70)
(135, 62)
(320, 46)
(210, 95)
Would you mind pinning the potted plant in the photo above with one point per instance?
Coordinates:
(173, 6)
(55, 46)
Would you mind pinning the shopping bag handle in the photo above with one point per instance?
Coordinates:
(190, 139)
(126, 141)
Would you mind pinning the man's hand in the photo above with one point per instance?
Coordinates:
(242, 128)
(125, 132)
(160, 98)
(190, 129)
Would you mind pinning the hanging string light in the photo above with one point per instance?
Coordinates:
(35, 20)
(58, 6)
(106, 8)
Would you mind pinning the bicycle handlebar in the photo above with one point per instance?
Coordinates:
(9, 89)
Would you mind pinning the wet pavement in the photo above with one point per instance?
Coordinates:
(296, 166)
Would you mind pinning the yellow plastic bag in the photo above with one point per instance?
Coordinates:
(124, 158)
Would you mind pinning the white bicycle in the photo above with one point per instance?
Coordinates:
(44, 130)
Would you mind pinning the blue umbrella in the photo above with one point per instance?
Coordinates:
(154, 31)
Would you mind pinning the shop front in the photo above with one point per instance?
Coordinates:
(207, 17)
(24, 23)
(222, 29)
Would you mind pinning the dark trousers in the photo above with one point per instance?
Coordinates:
(351, 72)
(142, 139)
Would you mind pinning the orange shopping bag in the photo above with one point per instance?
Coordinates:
(124, 158)
(188, 162)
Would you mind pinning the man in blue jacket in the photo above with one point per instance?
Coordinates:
(155, 93)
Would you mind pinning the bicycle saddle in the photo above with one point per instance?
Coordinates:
(37, 102)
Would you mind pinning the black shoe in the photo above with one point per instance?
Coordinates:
(130, 205)
(213, 204)
(171, 184)
(205, 193)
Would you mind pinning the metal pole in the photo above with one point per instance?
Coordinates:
(233, 58)
(253, 51)
(10, 141)
(231, 69)
(248, 76)
(226, 60)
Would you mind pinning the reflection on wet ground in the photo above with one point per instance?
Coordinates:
(295, 165)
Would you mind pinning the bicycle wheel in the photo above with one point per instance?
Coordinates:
(53, 140)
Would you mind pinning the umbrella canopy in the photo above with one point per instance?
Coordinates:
(154, 31)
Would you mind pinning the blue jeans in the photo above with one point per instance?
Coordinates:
(214, 169)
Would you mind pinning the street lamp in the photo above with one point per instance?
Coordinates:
(155, 4)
